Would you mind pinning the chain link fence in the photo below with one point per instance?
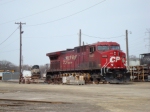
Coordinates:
(6, 76)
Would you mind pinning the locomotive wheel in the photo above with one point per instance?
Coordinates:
(48, 82)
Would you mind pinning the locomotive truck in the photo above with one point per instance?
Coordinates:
(98, 62)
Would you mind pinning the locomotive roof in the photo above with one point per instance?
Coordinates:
(57, 53)
(54, 53)
(105, 43)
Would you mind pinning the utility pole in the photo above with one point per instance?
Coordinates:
(127, 50)
(20, 66)
(22, 63)
(80, 37)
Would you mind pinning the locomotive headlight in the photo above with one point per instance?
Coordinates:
(123, 60)
(123, 56)
(114, 53)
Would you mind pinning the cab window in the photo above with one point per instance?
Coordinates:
(92, 49)
(102, 48)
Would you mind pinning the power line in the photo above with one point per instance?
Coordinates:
(8, 37)
(7, 2)
(37, 37)
(69, 15)
(134, 43)
(10, 51)
(9, 43)
(103, 38)
(148, 31)
(39, 12)
(52, 36)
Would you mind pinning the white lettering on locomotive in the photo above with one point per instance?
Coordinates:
(114, 59)
(69, 59)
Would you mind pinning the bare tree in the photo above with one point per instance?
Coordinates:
(6, 65)
(26, 67)
(44, 68)
(133, 57)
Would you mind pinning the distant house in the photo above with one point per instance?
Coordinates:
(134, 61)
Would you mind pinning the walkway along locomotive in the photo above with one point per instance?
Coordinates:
(101, 61)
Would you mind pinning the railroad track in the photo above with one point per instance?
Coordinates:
(31, 101)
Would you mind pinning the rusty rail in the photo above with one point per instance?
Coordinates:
(35, 101)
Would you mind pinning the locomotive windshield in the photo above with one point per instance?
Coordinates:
(35, 67)
(115, 47)
(102, 48)
(105, 47)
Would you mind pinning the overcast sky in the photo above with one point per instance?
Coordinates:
(53, 25)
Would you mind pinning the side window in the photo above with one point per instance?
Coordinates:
(78, 50)
(92, 49)
(83, 48)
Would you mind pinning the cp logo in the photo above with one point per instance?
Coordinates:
(114, 59)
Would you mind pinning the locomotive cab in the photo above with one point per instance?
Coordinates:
(113, 63)
(110, 55)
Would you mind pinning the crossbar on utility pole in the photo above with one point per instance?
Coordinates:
(20, 66)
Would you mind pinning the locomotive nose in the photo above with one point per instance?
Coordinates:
(117, 60)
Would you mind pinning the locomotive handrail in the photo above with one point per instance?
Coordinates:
(105, 66)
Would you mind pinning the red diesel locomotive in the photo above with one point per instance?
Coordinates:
(101, 61)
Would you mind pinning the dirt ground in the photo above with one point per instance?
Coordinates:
(131, 97)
